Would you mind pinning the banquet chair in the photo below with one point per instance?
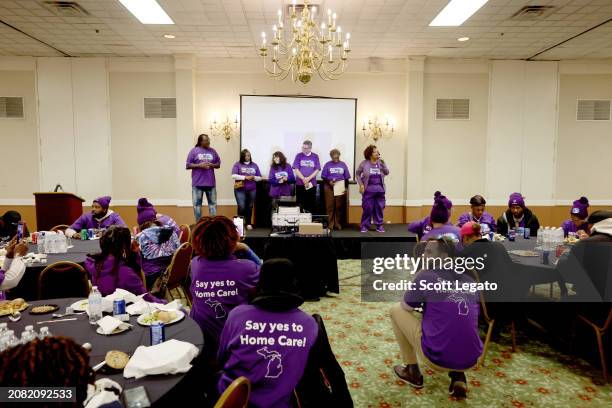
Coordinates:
(600, 328)
(185, 233)
(173, 283)
(63, 279)
(61, 227)
(236, 395)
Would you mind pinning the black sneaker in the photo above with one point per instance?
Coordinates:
(458, 384)
(410, 374)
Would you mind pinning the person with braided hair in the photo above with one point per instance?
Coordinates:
(117, 265)
(224, 273)
(51, 362)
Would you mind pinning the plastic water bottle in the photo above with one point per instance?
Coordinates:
(540, 237)
(94, 305)
(11, 339)
(28, 334)
(40, 243)
(44, 332)
(3, 329)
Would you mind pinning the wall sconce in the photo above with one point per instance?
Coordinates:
(227, 128)
(376, 129)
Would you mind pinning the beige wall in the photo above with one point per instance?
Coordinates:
(584, 151)
(19, 139)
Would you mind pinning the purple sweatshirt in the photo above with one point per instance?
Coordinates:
(125, 278)
(422, 227)
(88, 220)
(569, 227)
(486, 218)
(306, 165)
(280, 189)
(335, 171)
(450, 320)
(366, 169)
(218, 286)
(250, 169)
(202, 177)
(446, 230)
(270, 349)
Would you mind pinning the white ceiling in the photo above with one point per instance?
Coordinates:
(379, 28)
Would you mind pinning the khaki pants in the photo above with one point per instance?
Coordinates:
(407, 329)
(335, 206)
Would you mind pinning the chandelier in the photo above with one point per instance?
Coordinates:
(305, 47)
(376, 129)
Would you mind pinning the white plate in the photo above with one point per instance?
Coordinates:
(80, 305)
(118, 330)
(180, 316)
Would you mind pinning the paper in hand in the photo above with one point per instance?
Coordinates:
(308, 185)
(339, 188)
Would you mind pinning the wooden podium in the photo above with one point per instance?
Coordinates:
(56, 208)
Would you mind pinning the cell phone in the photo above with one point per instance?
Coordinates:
(20, 230)
(239, 223)
(136, 397)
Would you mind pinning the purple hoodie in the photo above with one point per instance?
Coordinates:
(335, 171)
(273, 358)
(306, 165)
(250, 169)
(218, 286)
(486, 218)
(569, 227)
(87, 221)
(280, 189)
(367, 168)
(126, 278)
(422, 227)
(446, 230)
(202, 177)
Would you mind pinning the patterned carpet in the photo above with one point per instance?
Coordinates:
(535, 376)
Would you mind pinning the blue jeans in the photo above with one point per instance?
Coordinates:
(211, 197)
(245, 200)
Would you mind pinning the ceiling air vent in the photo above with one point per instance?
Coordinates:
(11, 107)
(452, 108)
(65, 8)
(529, 13)
(593, 109)
(159, 108)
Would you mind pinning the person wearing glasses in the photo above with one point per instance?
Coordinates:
(306, 165)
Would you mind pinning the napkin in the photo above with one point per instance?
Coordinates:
(142, 307)
(101, 393)
(107, 301)
(110, 323)
(170, 357)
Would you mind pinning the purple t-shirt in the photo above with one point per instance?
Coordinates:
(269, 348)
(306, 165)
(375, 184)
(335, 171)
(450, 320)
(486, 219)
(218, 286)
(250, 169)
(447, 230)
(202, 177)
(569, 227)
(277, 188)
(87, 221)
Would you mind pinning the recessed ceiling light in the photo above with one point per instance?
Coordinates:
(456, 12)
(147, 11)
(170, 36)
(463, 39)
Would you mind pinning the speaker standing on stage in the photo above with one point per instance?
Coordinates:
(202, 161)
(371, 178)
(280, 178)
(245, 174)
(307, 166)
(335, 171)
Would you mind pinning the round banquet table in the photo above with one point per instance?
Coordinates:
(157, 386)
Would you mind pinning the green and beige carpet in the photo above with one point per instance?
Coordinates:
(535, 376)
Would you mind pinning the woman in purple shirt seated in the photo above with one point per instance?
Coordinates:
(479, 215)
(100, 217)
(117, 266)
(439, 223)
(447, 337)
(370, 176)
(269, 340)
(577, 224)
(281, 178)
(335, 171)
(223, 276)
(245, 174)
(423, 226)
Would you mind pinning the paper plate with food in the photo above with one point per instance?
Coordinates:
(80, 305)
(571, 240)
(165, 316)
(8, 307)
(523, 252)
(43, 309)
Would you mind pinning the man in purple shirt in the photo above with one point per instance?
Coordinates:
(100, 217)
(479, 215)
(202, 161)
(335, 171)
(269, 340)
(306, 166)
(447, 337)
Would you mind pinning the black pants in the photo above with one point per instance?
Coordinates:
(306, 198)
